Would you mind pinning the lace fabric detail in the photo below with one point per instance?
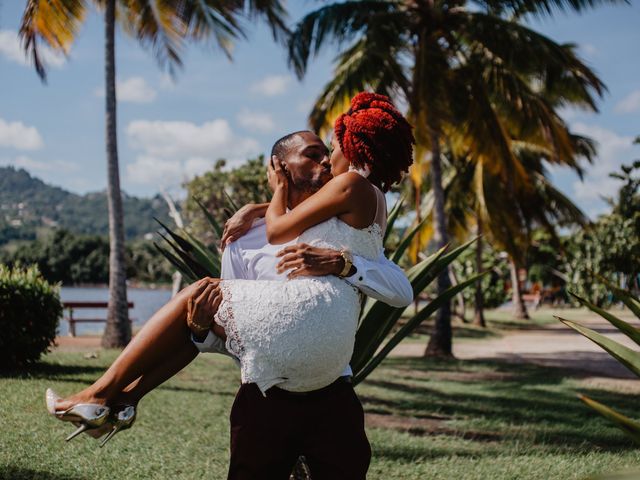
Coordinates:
(225, 318)
(297, 334)
(334, 233)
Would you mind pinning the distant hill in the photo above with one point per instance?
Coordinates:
(28, 205)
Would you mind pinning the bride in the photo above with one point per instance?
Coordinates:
(297, 334)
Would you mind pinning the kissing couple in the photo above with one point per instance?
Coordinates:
(286, 308)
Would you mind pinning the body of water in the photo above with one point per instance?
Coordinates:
(145, 300)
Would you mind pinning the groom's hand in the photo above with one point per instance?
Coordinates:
(303, 259)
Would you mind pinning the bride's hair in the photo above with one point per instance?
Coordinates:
(374, 135)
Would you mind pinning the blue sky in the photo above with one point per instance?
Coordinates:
(171, 130)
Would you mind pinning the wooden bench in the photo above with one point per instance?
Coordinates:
(71, 306)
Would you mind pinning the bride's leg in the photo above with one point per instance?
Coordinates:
(134, 392)
(165, 334)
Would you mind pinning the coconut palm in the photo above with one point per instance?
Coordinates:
(162, 26)
(479, 202)
(447, 61)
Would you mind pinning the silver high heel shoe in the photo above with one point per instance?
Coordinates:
(88, 415)
(122, 418)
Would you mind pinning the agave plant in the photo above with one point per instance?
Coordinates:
(377, 319)
(628, 357)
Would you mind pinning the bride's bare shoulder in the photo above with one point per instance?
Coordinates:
(351, 181)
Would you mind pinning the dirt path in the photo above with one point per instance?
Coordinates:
(555, 346)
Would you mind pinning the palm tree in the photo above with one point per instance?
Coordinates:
(478, 202)
(447, 62)
(163, 26)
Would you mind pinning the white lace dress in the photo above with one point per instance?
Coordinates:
(298, 334)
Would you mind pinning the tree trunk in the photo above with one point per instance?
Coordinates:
(519, 308)
(459, 308)
(478, 318)
(118, 329)
(440, 342)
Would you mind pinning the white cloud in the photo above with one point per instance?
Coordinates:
(28, 163)
(272, 85)
(134, 90)
(630, 103)
(19, 136)
(173, 151)
(11, 49)
(613, 151)
(256, 121)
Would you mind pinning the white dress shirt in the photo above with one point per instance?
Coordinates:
(252, 257)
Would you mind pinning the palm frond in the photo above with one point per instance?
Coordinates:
(336, 22)
(543, 8)
(54, 23)
(157, 26)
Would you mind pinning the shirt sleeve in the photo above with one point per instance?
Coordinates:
(383, 280)
(232, 264)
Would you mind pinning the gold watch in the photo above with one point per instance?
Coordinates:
(348, 262)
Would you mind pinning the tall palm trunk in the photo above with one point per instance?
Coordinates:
(478, 318)
(118, 330)
(440, 341)
(519, 308)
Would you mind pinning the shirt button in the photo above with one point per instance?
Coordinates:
(360, 278)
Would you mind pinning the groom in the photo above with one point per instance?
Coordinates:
(326, 426)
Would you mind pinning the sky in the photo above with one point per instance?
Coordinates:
(172, 128)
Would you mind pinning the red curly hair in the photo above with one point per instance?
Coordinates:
(374, 133)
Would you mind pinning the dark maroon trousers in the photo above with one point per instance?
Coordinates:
(326, 426)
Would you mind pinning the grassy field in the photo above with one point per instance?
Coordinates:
(426, 420)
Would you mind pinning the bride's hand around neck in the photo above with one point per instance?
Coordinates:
(276, 174)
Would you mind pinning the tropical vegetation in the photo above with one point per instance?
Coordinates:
(71, 259)
(627, 356)
(30, 310)
(220, 187)
(31, 208)
(610, 247)
(477, 82)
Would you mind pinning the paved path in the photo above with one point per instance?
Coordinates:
(555, 345)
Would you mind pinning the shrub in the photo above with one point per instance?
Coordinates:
(30, 310)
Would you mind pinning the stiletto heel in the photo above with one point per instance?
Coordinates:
(122, 419)
(89, 415)
(83, 427)
(108, 437)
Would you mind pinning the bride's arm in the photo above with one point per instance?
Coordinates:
(338, 196)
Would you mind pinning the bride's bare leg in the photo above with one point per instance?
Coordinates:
(165, 334)
(133, 393)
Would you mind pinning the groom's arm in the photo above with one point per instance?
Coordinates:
(380, 279)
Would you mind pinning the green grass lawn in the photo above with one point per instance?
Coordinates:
(427, 420)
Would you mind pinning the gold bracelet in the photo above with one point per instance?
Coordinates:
(195, 327)
(348, 262)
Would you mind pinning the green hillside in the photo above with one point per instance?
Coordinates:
(28, 206)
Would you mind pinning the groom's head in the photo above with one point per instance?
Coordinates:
(305, 159)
